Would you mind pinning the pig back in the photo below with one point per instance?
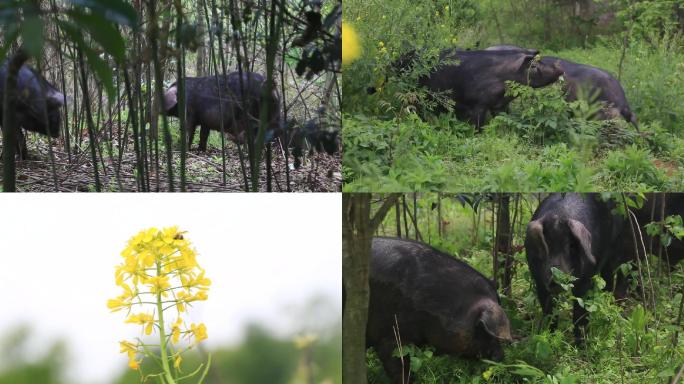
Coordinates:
(426, 279)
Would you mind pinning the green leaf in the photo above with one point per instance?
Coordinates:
(32, 35)
(668, 372)
(529, 371)
(416, 363)
(103, 32)
(102, 70)
(117, 11)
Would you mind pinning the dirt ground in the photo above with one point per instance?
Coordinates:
(319, 173)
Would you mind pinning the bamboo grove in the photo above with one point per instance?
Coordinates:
(114, 59)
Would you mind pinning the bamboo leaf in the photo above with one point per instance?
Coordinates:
(117, 11)
(32, 35)
(103, 32)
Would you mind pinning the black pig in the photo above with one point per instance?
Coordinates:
(579, 235)
(36, 98)
(437, 301)
(595, 80)
(476, 80)
(204, 106)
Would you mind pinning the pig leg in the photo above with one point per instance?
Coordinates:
(21, 147)
(580, 321)
(204, 136)
(546, 302)
(477, 116)
(190, 130)
(392, 365)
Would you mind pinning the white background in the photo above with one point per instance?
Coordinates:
(266, 255)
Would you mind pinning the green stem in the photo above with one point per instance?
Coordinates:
(162, 335)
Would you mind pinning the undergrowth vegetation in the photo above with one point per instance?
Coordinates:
(393, 142)
(631, 341)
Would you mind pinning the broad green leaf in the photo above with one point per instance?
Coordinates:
(103, 32)
(117, 11)
(416, 363)
(32, 36)
(102, 70)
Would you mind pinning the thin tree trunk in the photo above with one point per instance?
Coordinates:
(157, 56)
(10, 124)
(201, 50)
(397, 213)
(357, 230)
(89, 121)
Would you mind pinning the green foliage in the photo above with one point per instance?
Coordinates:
(99, 18)
(633, 166)
(264, 358)
(20, 365)
(542, 142)
(667, 229)
(649, 20)
(399, 151)
(549, 24)
(406, 154)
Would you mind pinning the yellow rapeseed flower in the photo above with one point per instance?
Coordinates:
(131, 349)
(199, 331)
(158, 284)
(175, 330)
(159, 263)
(351, 49)
(144, 319)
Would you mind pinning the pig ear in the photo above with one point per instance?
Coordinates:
(495, 322)
(170, 98)
(525, 61)
(535, 231)
(583, 237)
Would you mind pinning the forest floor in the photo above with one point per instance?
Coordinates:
(319, 173)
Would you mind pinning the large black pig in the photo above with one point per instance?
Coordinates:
(437, 301)
(476, 80)
(579, 235)
(204, 106)
(595, 80)
(37, 97)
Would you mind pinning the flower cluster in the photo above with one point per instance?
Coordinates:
(159, 273)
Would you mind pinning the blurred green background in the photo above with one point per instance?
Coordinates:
(261, 357)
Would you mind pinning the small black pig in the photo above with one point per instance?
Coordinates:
(437, 301)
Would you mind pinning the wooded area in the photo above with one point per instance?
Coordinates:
(116, 85)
